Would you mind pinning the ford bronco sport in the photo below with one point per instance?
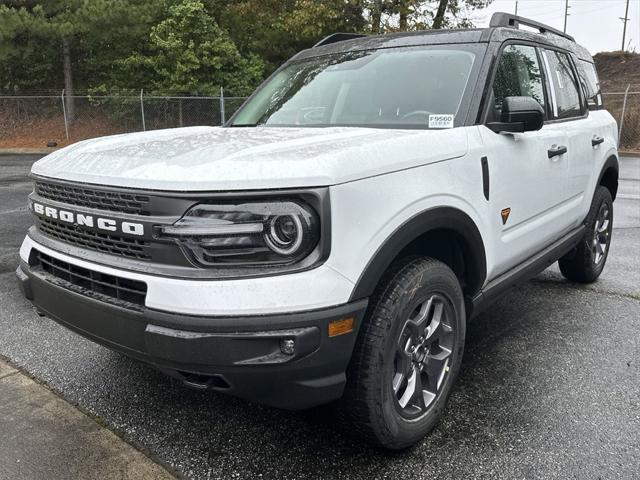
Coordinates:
(332, 239)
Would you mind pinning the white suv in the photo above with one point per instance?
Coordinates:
(334, 237)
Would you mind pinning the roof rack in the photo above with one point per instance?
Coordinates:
(501, 19)
(337, 37)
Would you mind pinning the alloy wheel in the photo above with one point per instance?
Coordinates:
(423, 356)
(601, 233)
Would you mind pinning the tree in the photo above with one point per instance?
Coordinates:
(24, 58)
(375, 15)
(173, 46)
(439, 17)
(405, 15)
(189, 53)
(280, 28)
(70, 28)
(454, 8)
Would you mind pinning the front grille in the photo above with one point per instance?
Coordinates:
(101, 242)
(112, 201)
(109, 288)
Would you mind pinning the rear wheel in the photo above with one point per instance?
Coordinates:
(585, 263)
(407, 355)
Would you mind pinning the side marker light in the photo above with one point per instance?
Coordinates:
(340, 327)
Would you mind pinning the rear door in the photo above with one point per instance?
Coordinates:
(595, 138)
(527, 184)
(569, 110)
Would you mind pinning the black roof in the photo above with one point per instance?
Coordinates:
(503, 26)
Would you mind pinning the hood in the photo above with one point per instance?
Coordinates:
(216, 158)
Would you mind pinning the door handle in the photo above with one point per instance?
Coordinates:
(596, 140)
(556, 150)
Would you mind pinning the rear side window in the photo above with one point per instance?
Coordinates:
(590, 83)
(565, 99)
(518, 74)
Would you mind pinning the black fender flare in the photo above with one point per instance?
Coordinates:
(438, 218)
(611, 162)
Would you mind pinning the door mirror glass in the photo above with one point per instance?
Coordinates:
(519, 114)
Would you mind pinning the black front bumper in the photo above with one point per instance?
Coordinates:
(237, 355)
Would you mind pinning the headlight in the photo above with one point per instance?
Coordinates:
(247, 233)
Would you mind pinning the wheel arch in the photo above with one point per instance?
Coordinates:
(441, 224)
(609, 175)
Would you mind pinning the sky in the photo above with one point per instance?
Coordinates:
(593, 23)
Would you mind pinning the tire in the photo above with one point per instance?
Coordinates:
(378, 404)
(585, 263)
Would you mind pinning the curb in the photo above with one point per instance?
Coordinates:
(27, 151)
(151, 467)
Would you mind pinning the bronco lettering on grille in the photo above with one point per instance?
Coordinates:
(101, 223)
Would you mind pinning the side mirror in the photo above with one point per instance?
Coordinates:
(519, 114)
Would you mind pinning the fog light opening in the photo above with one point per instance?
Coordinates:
(288, 346)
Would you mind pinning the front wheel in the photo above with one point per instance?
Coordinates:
(407, 355)
(585, 263)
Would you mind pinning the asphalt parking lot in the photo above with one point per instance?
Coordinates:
(549, 388)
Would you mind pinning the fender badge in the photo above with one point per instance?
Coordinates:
(505, 215)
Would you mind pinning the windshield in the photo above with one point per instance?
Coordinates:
(395, 87)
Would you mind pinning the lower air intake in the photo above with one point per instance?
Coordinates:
(110, 288)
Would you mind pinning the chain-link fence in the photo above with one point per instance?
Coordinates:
(35, 121)
(625, 107)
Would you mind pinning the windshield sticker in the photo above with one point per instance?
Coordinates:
(441, 121)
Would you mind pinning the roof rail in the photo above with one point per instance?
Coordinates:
(337, 37)
(501, 19)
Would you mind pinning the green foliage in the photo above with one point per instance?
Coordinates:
(189, 53)
(420, 14)
(99, 31)
(277, 29)
(19, 48)
(184, 46)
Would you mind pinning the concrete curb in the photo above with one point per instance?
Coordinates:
(45, 436)
(27, 151)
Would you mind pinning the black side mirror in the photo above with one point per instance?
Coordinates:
(519, 114)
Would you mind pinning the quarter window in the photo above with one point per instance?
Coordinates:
(565, 99)
(518, 74)
(589, 79)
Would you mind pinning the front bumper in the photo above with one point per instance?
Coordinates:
(239, 355)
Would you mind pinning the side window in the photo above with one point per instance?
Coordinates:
(590, 83)
(518, 74)
(565, 99)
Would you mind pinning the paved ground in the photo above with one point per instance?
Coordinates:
(46, 437)
(549, 388)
